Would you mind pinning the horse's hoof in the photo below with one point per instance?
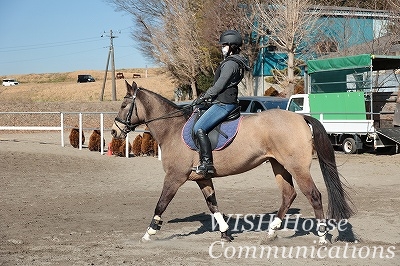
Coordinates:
(225, 237)
(272, 236)
(145, 239)
(268, 239)
(322, 241)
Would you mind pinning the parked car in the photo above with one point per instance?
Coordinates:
(255, 104)
(85, 78)
(10, 82)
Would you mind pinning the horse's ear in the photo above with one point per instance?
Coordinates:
(130, 89)
(128, 86)
(134, 85)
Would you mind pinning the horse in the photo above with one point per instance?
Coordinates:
(286, 139)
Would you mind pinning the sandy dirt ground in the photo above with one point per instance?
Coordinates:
(64, 206)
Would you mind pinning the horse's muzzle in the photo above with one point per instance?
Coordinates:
(116, 131)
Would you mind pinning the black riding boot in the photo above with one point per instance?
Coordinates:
(206, 166)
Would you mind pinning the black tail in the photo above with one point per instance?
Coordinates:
(338, 198)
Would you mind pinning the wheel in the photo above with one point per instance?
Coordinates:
(349, 146)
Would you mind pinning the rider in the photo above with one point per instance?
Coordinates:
(223, 95)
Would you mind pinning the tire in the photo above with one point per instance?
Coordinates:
(349, 146)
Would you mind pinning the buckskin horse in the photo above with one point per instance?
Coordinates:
(285, 139)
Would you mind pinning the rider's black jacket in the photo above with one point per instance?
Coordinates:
(227, 77)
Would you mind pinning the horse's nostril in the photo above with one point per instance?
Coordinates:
(113, 132)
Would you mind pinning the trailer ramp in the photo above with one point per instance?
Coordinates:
(392, 133)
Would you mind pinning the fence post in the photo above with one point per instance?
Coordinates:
(101, 133)
(127, 146)
(62, 129)
(80, 131)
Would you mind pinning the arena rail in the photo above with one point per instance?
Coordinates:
(62, 127)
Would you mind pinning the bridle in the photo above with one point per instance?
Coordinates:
(127, 122)
(131, 127)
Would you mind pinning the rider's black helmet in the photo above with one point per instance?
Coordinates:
(231, 37)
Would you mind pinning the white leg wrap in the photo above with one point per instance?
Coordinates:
(275, 225)
(150, 230)
(223, 226)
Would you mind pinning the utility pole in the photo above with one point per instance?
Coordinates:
(110, 54)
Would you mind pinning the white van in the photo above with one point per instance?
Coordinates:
(10, 82)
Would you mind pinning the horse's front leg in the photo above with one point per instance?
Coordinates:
(207, 187)
(171, 186)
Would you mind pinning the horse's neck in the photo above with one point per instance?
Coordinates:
(167, 122)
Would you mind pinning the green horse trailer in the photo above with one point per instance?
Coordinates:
(355, 99)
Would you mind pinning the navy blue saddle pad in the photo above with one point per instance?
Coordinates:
(218, 140)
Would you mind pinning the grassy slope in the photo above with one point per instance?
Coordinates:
(62, 87)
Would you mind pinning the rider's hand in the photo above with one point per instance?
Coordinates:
(199, 100)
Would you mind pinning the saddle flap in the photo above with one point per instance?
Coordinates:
(235, 114)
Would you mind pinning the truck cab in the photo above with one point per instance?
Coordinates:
(299, 103)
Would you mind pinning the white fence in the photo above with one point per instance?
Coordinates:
(59, 125)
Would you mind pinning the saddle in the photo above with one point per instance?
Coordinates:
(220, 137)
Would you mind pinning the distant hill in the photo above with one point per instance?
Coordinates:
(62, 87)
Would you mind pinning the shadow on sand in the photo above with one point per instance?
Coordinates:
(260, 223)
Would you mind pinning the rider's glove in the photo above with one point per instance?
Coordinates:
(200, 100)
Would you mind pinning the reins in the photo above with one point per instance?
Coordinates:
(127, 123)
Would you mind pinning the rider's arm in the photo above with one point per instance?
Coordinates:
(228, 70)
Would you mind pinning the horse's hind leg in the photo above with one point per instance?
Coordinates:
(207, 187)
(285, 183)
(310, 190)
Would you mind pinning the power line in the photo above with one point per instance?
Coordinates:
(48, 57)
(47, 45)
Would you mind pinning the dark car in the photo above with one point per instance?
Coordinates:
(255, 104)
(85, 78)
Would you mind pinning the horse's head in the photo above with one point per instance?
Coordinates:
(127, 119)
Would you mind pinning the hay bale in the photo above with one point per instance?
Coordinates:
(155, 148)
(137, 146)
(74, 137)
(95, 141)
(147, 144)
(118, 147)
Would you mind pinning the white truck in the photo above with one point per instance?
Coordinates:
(353, 132)
(341, 96)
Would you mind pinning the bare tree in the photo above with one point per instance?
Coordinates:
(395, 5)
(182, 35)
(289, 25)
(354, 34)
(167, 32)
(221, 15)
(178, 44)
